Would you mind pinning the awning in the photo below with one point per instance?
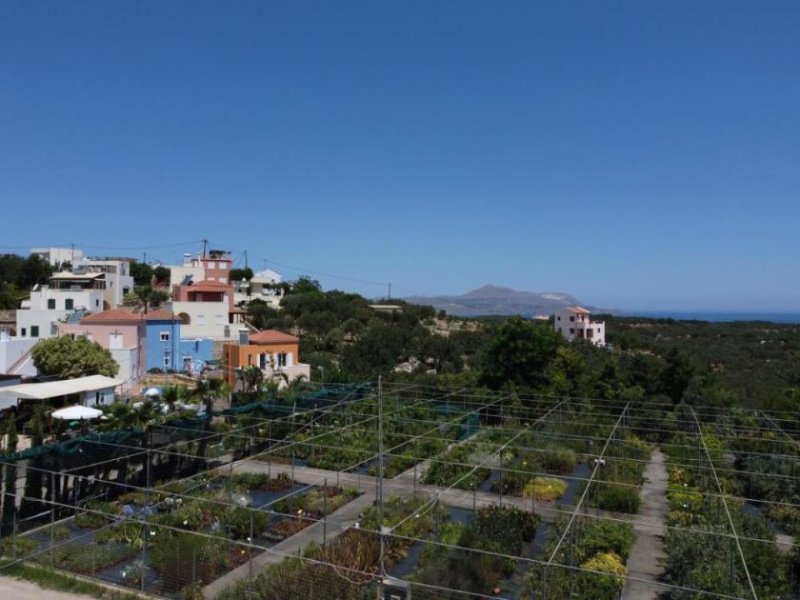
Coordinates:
(55, 389)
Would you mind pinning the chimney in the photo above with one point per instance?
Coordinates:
(244, 336)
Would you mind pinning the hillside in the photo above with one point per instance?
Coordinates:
(495, 300)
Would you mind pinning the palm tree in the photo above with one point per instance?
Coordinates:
(171, 395)
(206, 391)
(252, 378)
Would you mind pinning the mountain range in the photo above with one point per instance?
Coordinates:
(495, 300)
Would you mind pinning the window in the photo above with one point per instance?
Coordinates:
(51, 303)
(24, 332)
(572, 331)
(96, 302)
(223, 280)
(166, 361)
(223, 265)
(164, 336)
(34, 331)
(282, 359)
(69, 304)
(558, 318)
(572, 319)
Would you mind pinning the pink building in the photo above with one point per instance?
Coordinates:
(204, 291)
(119, 331)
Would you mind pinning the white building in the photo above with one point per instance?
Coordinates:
(116, 274)
(203, 319)
(58, 256)
(261, 287)
(576, 322)
(38, 317)
(92, 390)
(15, 355)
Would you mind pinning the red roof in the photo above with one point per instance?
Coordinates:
(118, 315)
(160, 315)
(270, 336)
(578, 309)
(209, 286)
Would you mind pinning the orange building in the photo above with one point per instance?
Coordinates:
(274, 352)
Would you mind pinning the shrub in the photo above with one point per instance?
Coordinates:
(560, 461)
(17, 546)
(602, 586)
(618, 498)
(545, 488)
(87, 520)
(602, 536)
(240, 522)
(184, 558)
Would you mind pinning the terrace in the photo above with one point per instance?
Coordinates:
(483, 495)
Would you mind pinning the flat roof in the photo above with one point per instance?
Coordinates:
(69, 275)
(54, 389)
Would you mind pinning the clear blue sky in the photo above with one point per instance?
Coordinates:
(634, 154)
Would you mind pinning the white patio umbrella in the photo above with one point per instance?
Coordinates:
(77, 413)
(152, 392)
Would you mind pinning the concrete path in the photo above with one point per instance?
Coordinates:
(645, 562)
(18, 589)
(338, 522)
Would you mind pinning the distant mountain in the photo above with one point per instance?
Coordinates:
(494, 300)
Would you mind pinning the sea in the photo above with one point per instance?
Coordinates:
(717, 317)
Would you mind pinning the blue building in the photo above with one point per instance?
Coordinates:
(164, 348)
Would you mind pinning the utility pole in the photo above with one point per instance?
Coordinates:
(144, 258)
(245, 260)
(72, 253)
(205, 243)
(389, 297)
(380, 479)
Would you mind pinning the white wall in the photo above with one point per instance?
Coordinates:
(569, 329)
(11, 350)
(130, 370)
(177, 274)
(99, 398)
(58, 255)
(206, 319)
(36, 313)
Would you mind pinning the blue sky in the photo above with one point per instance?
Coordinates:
(634, 154)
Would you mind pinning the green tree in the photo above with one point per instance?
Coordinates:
(66, 358)
(241, 274)
(677, 374)
(520, 354)
(162, 275)
(377, 351)
(306, 285)
(142, 273)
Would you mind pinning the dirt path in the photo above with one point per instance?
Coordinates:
(644, 563)
(17, 589)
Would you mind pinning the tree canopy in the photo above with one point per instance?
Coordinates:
(18, 275)
(520, 353)
(68, 357)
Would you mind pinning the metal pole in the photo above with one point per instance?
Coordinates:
(380, 476)
(325, 512)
